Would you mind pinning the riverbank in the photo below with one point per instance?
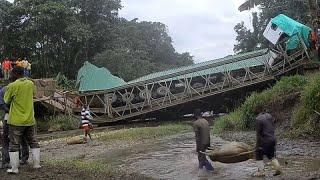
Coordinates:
(170, 155)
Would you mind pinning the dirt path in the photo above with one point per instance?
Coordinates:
(172, 157)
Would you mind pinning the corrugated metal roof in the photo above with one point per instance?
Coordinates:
(227, 67)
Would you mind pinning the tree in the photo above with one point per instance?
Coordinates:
(247, 40)
(248, 4)
(312, 4)
(59, 35)
(268, 9)
(141, 48)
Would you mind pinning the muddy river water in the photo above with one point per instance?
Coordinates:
(175, 158)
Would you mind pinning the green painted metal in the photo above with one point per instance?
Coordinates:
(92, 78)
(251, 62)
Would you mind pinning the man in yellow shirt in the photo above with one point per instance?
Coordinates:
(21, 118)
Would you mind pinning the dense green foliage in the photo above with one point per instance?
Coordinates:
(58, 123)
(306, 119)
(64, 83)
(59, 35)
(250, 39)
(243, 118)
(141, 48)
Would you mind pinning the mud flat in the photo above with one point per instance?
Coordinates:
(166, 157)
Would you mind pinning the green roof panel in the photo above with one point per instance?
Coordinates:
(92, 78)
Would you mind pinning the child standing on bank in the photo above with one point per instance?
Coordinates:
(85, 122)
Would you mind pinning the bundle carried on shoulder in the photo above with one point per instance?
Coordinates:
(233, 152)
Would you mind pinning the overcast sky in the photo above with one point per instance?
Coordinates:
(202, 27)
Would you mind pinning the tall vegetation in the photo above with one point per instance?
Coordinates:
(59, 35)
(243, 118)
(306, 119)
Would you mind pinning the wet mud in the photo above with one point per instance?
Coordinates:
(175, 158)
(172, 157)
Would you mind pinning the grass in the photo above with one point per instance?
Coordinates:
(58, 123)
(78, 164)
(85, 169)
(306, 119)
(243, 118)
(135, 134)
(91, 169)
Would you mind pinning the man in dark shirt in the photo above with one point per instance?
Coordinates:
(266, 141)
(202, 132)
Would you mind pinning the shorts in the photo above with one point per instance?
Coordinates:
(267, 150)
(85, 127)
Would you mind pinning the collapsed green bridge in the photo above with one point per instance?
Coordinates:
(187, 84)
(178, 90)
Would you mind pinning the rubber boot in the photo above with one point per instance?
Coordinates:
(14, 162)
(276, 166)
(36, 158)
(202, 172)
(260, 172)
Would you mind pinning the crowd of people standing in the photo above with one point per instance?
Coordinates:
(8, 64)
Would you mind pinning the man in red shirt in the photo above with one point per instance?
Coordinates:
(6, 66)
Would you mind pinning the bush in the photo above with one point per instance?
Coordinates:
(300, 116)
(306, 118)
(247, 110)
(64, 82)
(62, 123)
(42, 126)
(310, 96)
(243, 118)
(289, 85)
(226, 123)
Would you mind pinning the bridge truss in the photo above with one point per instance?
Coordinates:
(190, 84)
